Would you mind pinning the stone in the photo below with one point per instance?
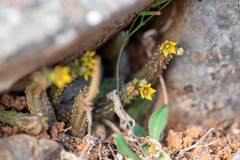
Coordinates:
(38, 33)
(205, 82)
(27, 147)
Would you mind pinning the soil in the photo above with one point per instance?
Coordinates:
(219, 143)
(216, 145)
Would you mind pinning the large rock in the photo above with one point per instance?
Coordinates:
(205, 82)
(26, 147)
(38, 33)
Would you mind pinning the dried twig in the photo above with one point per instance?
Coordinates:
(229, 139)
(130, 139)
(164, 89)
(112, 126)
(209, 143)
(115, 158)
(85, 149)
(135, 148)
(65, 130)
(99, 151)
(196, 144)
(94, 86)
(208, 132)
(89, 117)
(118, 108)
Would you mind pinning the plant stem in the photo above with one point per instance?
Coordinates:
(118, 62)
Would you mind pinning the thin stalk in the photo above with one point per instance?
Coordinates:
(118, 62)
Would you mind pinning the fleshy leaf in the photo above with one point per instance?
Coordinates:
(157, 122)
(138, 130)
(123, 147)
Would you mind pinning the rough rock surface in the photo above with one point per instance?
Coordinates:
(38, 33)
(27, 147)
(205, 82)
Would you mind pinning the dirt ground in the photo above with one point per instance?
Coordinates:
(192, 142)
(185, 141)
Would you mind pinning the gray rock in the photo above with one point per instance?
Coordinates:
(205, 82)
(20, 147)
(38, 33)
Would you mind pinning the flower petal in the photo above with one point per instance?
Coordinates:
(151, 91)
(148, 85)
(85, 55)
(166, 42)
(60, 84)
(67, 78)
(91, 54)
(173, 43)
(149, 97)
(161, 48)
(92, 61)
(172, 50)
(165, 53)
(65, 70)
(85, 76)
(141, 92)
(142, 96)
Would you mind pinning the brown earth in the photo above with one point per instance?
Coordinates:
(218, 144)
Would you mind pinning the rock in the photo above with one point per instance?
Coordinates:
(205, 81)
(38, 33)
(27, 147)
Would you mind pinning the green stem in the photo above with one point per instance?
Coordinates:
(129, 35)
(78, 119)
(36, 96)
(32, 124)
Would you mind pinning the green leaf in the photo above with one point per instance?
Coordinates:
(145, 148)
(157, 122)
(138, 130)
(148, 13)
(156, 3)
(123, 147)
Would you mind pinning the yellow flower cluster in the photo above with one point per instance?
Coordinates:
(60, 76)
(88, 62)
(87, 58)
(89, 72)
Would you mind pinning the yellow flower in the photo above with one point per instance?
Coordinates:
(146, 91)
(168, 46)
(88, 64)
(61, 76)
(87, 58)
(89, 72)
